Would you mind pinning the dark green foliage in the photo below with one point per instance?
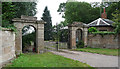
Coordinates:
(92, 29)
(11, 27)
(116, 19)
(76, 11)
(63, 35)
(8, 13)
(27, 39)
(12, 10)
(56, 32)
(79, 11)
(117, 29)
(112, 8)
(85, 12)
(25, 8)
(0, 28)
(61, 8)
(60, 34)
(48, 26)
(80, 44)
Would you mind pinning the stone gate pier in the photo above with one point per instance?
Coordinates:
(73, 33)
(19, 23)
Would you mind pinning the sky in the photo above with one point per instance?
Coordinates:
(53, 5)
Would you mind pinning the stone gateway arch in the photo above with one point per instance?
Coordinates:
(19, 23)
(72, 36)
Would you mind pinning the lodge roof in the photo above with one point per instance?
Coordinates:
(101, 22)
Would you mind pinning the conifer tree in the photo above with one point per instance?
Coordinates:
(48, 26)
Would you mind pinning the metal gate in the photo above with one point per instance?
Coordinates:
(58, 39)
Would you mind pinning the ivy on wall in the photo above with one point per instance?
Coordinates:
(93, 30)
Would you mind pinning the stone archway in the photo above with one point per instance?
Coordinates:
(79, 35)
(79, 38)
(29, 40)
(73, 28)
(19, 23)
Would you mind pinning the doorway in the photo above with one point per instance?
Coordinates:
(29, 39)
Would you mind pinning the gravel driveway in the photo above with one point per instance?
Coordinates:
(94, 60)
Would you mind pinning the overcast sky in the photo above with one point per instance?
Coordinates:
(53, 5)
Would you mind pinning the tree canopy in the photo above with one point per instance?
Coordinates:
(12, 10)
(86, 12)
(79, 11)
(113, 6)
(48, 26)
(116, 19)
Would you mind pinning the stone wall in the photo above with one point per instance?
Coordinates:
(7, 46)
(109, 28)
(53, 44)
(105, 41)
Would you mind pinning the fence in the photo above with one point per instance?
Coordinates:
(52, 45)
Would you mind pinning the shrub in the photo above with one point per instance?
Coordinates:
(80, 44)
(92, 29)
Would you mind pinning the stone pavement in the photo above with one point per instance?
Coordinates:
(94, 60)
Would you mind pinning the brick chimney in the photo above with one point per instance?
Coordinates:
(104, 15)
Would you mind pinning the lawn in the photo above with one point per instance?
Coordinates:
(45, 60)
(113, 52)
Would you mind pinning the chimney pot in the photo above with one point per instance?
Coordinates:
(104, 15)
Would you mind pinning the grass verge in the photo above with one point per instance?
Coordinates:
(46, 60)
(113, 52)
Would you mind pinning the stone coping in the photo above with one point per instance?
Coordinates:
(77, 24)
(23, 20)
(28, 17)
(28, 21)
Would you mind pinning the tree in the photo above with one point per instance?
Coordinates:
(79, 11)
(85, 12)
(112, 8)
(48, 26)
(113, 12)
(116, 19)
(28, 8)
(8, 13)
(12, 10)
(61, 8)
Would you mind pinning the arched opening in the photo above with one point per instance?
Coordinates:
(79, 38)
(29, 39)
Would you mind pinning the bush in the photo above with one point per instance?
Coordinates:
(92, 29)
(80, 44)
